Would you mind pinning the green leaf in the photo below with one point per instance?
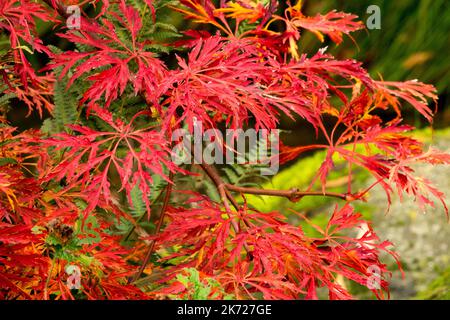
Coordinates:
(137, 203)
(5, 161)
(90, 224)
(65, 111)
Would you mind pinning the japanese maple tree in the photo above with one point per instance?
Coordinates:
(97, 188)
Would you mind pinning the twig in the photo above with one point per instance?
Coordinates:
(47, 282)
(225, 195)
(158, 229)
(125, 238)
(292, 195)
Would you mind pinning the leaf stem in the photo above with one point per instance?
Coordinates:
(47, 282)
(158, 229)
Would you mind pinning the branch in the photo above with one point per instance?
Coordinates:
(221, 186)
(158, 229)
(125, 238)
(293, 194)
(224, 193)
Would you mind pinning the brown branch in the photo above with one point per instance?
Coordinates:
(215, 177)
(125, 238)
(224, 193)
(158, 228)
(292, 195)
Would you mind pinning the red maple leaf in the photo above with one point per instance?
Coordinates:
(90, 155)
(115, 57)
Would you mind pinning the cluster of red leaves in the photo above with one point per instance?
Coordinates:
(92, 154)
(280, 261)
(18, 19)
(235, 78)
(109, 51)
(31, 266)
